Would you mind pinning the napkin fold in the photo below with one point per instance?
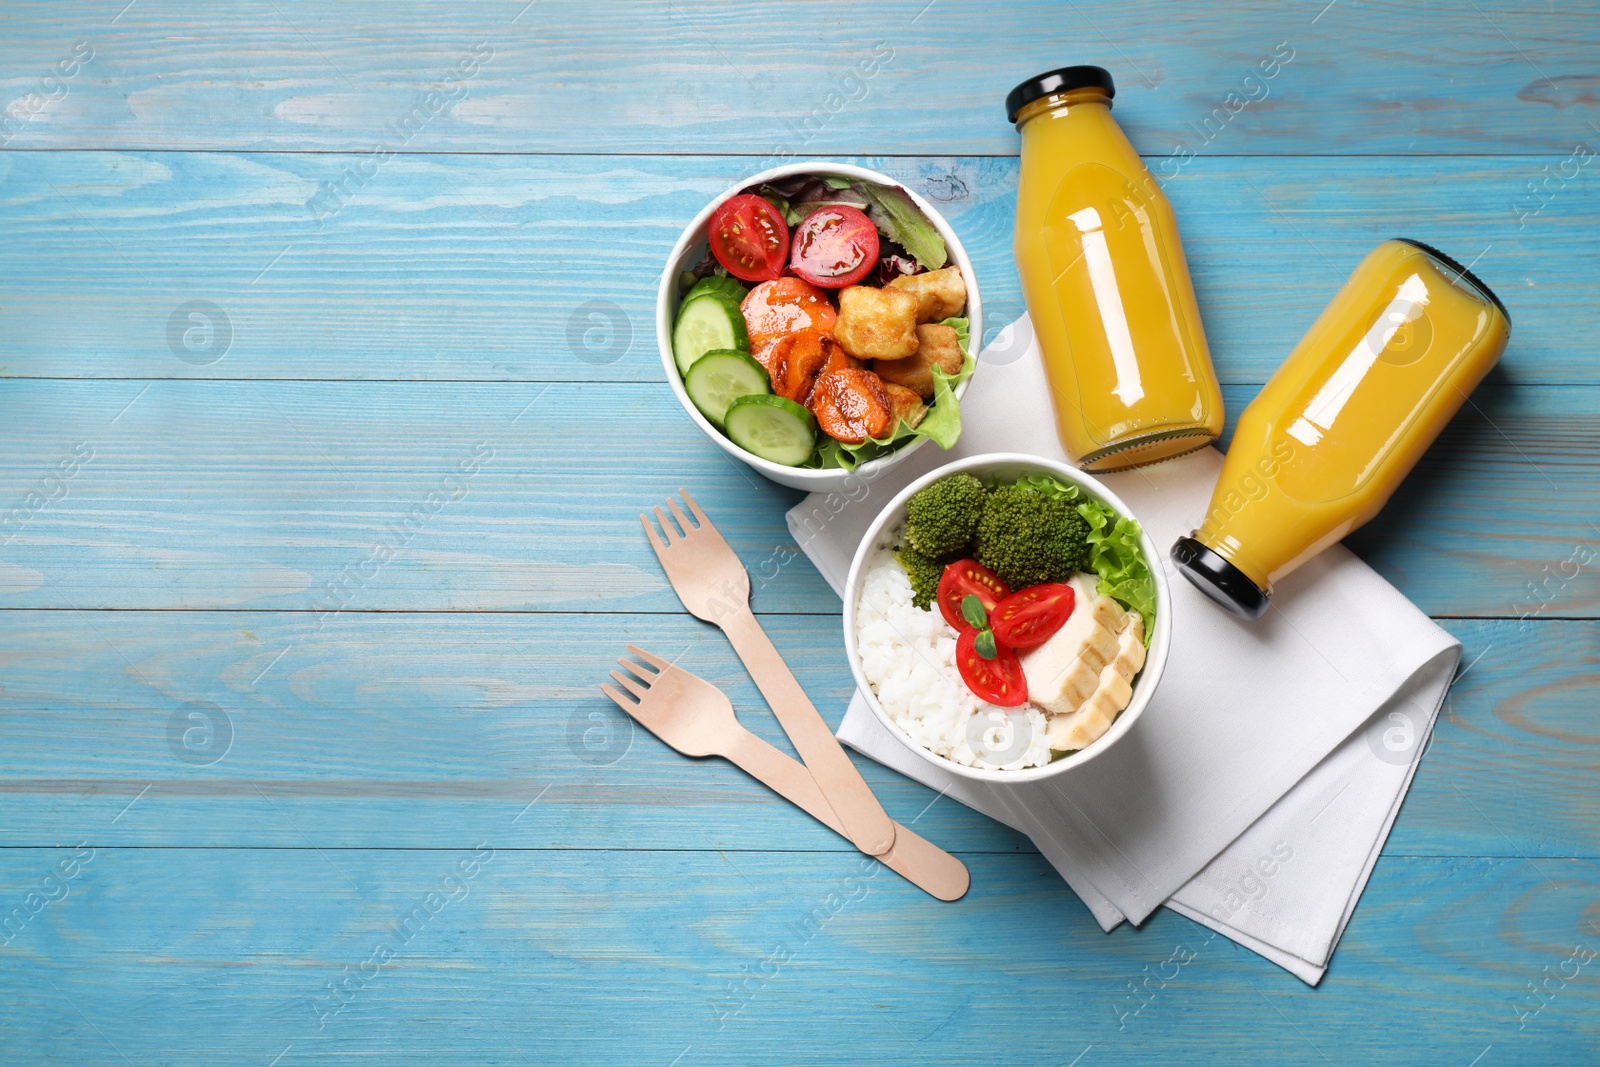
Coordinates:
(1256, 790)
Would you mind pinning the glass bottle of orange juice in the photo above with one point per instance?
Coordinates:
(1344, 420)
(1106, 283)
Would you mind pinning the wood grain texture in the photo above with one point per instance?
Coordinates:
(538, 268)
(316, 496)
(384, 539)
(1522, 713)
(395, 730)
(201, 957)
(705, 77)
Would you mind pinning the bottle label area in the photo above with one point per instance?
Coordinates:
(1131, 344)
(1380, 377)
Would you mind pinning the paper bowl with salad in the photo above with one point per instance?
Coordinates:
(817, 321)
(1004, 620)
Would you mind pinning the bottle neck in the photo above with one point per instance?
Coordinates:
(1060, 103)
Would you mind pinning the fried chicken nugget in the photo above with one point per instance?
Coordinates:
(904, 403)
(940, 293)
(876, 323)
(937, 346)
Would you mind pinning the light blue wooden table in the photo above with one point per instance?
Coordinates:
(271, 271)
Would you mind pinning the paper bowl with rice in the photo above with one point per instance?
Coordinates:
(1003, 618)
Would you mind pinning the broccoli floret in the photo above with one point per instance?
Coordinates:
(1027, 537)
(941, 518)
(924, 573)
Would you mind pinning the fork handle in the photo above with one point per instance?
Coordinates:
(863, 819)
(922, 863)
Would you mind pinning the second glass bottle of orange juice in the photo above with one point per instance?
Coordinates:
(1344, 420)
(1106, 283)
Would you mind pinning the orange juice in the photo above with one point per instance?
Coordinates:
(1344, 420)
(1106, 283)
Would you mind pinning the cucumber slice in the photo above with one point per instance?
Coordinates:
(709, 321)
(715, 284)
(772, 427)
(720, 377)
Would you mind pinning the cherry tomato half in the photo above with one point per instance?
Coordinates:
(968, 576)
(749, 237)
(834, 247)
(997, 681)
(1030, 616)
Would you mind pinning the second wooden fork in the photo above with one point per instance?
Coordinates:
(697, 719)
(713, 584)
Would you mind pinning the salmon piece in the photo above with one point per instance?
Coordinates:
(838, 359)
(775, 357)
(851, 406)
(794, 362)
(783, 306)
(763, 355)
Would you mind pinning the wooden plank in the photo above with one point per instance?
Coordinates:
(533, 268)
(403, 730)
(314, 496)
(1521, 714)
(703, 77)
(637, 911)
(397, 730)
(580, 958)
(360, 496)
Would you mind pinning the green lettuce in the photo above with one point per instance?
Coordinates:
(941, 425)
(1042, 483)
(1115, 555)
(899, 219)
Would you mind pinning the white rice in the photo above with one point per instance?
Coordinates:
(909, 657)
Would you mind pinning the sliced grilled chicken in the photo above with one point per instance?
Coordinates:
(1064, 671)
(1082, 677)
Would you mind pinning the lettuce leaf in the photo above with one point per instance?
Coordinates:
(797, 197)
(790, 214)
(899, 219)
(1043, 483)
(1115, 555)
(941, 425)
(963, 329)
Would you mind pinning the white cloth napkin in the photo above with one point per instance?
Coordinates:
(1256, 791)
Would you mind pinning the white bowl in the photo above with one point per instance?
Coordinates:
(691, 247)
(1006, 466)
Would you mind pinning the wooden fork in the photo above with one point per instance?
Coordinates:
(696, 718)
(715, 587)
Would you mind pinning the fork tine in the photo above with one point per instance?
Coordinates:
(629, 706)
(699, 516)
(655, 661)
(651, 532)
(673, 536)
(683, 520)
(644, 674)
(629, 684)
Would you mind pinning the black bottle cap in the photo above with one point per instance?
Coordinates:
(1060, 80)
(1218, 579)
